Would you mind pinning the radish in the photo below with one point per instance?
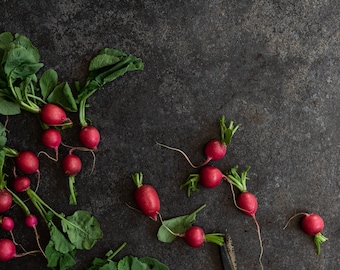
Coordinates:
(53, 115)
(89, 136)
(21, 183)
(195, 237)
(312, 224)
(51, 138)
(27, 162)
(246, 201)
(146, 197)
(208, 177)
(31, 221)
(71, 166)
(7, 224)
(214, 149)
(5, 200)
(8, 251)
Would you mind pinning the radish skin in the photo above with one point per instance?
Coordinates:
(146, 197)
(5, 200)
(89, 136)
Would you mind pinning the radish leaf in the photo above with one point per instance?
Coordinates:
(82, 229)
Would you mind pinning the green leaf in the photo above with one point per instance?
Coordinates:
(27, 44)
(131, 262)
(62, 96)
(103, 60)
(109, 266)
(58, 260)
(177, 225)
(20, 63)
(82, 229)
(8, 107)
(153, 263)
(48, 81)
(61, 243)
(3, 136)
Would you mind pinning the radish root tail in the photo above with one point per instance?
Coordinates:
(184, 154)
(260, 240)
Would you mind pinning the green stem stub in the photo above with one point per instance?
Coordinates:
(238, 180)
(191, 183)
(73, 192)
(216, 238)
(227, 132)
(138, 179)
(318, 240)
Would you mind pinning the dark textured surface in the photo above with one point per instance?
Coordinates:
(271, 66)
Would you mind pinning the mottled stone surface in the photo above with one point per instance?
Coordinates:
(271, 66)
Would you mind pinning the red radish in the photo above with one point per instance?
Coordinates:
(71, 164)
(214, 149)
(51, 138)
(27, 162)
(89, 136)
(312, 224)
(8, 251)
(208, 177)
(21, 184)
(5, 200)
(246, 201)
(146, 197)
(52, 115)
(194, 236)
(6, 223)
(31, 221)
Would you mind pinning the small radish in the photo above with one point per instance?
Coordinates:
(5, 200)
(146, 197)
(246, 201)
(89, 136)
(195, 237)
(27, 162)
(31, 221)
(214, 149)
(51, 138)
(71, 166)
(53, 115)
(208, 177)
(312, 224)
(21, 183)
(7, 224)
(8, 250)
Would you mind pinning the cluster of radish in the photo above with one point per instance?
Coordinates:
(148, 202)
(210, 177)
(27, 163)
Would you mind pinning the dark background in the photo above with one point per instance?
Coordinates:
(270, 66)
